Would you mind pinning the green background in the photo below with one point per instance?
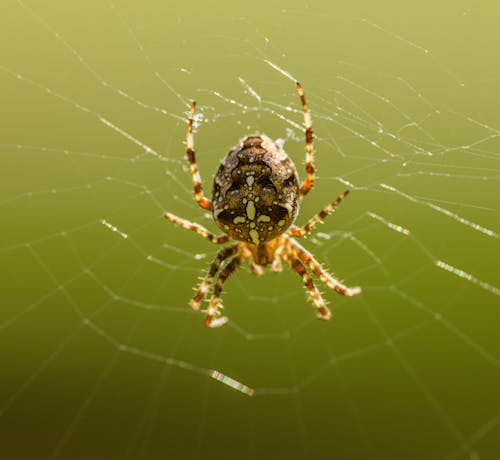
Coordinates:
(101, 357)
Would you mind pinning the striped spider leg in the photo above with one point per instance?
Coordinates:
(204, 287)
(213, 319)
(301, 231)
(309, 180)
(314, 295)
(297, 258)
(204, 202)
(197, 228)
(306, 257)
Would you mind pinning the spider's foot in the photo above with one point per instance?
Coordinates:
(195, 302)
(212, 322)
(213, 318)
(323, 313)
(354, 291)
(341, 289)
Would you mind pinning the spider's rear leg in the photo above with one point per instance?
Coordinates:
(212, 319)
(204, 286)
(322, 311)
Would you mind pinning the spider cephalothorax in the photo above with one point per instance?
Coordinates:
(255, 201)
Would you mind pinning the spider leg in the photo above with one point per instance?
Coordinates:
(300, 231)
(309, 180)
(314, 295)
(212, 319)
(204, 286)
(256, 269)
(276, 265)
(197, 228)
(205, 203)
(306, 257)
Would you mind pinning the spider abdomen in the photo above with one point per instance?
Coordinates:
(256, 191)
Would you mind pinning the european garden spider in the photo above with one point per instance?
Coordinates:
(255, 201)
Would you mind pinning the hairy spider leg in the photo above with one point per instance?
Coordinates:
(306, 257)
(309, 180)
(212, 319)
(204, 202)
(204, 286)
(312, 291)
(197, 228)
(300, 231)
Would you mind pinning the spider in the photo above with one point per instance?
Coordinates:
(255, 201)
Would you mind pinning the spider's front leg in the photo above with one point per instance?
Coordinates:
(204, 202)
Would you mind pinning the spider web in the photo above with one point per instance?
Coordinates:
(101, 355)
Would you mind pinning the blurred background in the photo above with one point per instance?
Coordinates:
(100, 355)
